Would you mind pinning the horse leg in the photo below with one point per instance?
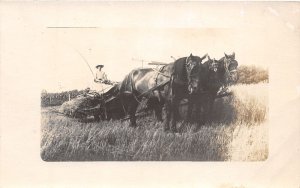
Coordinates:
(132, 107)
(206, 111)
(158, 112)
(210, 108)
(199, 113)
(203, 109)
(168, 110)
(189, 110)
(96, 116)
(154, 103)
(129, 105)
(174, 113)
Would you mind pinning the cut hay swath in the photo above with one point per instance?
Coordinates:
(80, 107)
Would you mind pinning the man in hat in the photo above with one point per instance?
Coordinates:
(101, 80)
(100, 75)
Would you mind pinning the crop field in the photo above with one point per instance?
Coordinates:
(239, 132)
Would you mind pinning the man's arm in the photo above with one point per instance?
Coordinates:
(96, 79)
(104, 76)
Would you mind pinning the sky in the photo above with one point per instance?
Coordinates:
(118, 32)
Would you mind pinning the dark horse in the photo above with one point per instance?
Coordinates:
(168, 86)
(184, 81)
(215, 74)
(210, 78)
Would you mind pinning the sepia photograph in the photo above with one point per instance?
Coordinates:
(155, 93)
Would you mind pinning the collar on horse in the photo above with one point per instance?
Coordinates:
(179, 74)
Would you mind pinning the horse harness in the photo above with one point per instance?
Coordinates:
(156, 84)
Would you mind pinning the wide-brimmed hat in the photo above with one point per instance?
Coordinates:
(100, 66)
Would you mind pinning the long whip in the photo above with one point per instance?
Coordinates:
(85, 61)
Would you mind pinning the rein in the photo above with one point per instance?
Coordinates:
(161, 73)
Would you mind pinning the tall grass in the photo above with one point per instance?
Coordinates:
(248, 104)
(118, 141)
(249, 143)
(238, 133)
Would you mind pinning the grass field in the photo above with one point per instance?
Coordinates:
(239, 133)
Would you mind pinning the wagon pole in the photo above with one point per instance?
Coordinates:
(139, 114)
(157, 63)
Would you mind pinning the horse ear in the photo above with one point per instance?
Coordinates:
(204, 57)
(226, 55)
(208, 57)
(191, 55)
(233, 55)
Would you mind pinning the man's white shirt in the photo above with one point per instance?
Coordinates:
(100, 75)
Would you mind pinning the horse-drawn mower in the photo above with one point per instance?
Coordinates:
(102, 106)
(110, 105)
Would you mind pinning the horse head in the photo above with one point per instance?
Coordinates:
(230, 66)
(213, 65)
(211, 75)
(193, 68)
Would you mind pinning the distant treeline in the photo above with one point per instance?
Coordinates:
(252, 75)
(247, 75)
(54, 99)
